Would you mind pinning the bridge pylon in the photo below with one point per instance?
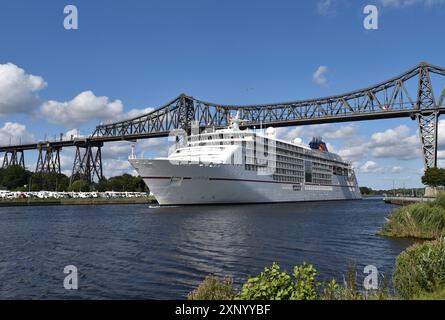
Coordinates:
(48, 160)
(186, 112)
(427, 117)
(87, 161)
(13, 157)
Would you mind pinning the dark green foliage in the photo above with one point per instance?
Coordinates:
(48, 182)
(17, 178)
(14, 177)
(272, 284)
(434, 177)
(410, 192)
(420, 269)
(366, 190)
(213, 288)
(125, 182)
(80, 186)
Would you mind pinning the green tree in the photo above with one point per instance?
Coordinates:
(434, 177)
(366, 190)
(125, 182)
(272, 284)
(102, 185)
(49, 181)
(14, 177)
(79, 186)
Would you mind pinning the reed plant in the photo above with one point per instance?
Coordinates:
(213, 288)
(420, 270)
(419, 220)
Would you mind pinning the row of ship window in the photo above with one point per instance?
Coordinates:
(288, 179)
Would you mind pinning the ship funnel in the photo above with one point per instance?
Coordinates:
(317, 143)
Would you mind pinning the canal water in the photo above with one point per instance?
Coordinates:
(142, 252)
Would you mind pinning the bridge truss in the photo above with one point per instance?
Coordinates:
(411, 94)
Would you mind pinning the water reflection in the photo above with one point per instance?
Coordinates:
(164, 252)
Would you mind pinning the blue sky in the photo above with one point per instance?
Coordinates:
(128, 56)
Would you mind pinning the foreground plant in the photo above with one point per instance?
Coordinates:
(272, 284)
(420, 270)
(213, 288)
(419, 220)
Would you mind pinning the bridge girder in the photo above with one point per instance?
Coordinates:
(48, 160)
(14, 157)
(389, 99)
(88, 161)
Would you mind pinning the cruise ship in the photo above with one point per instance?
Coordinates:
(234, 166)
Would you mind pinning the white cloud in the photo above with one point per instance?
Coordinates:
(373, 167)
(14, 133)
(397, 143)
(408, 3)
(67, 161)
(441, 135)
(396, 169)
(354, 152)
(110, 165)
(324, 7)
(319, 76)
(18, 90)
(73, 133)
(84, 107)
(134, 113)
(368, 166)
(114, 167)
(327, 131)
(118, 149)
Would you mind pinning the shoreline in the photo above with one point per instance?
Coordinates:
(77, 201)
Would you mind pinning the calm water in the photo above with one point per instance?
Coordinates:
(135, 251)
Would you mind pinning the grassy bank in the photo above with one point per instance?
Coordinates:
(76, 201)
(301, 284)
(419, 274)
(419, 220)
(420, 270)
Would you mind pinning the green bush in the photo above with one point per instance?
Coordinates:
(14, 177)
(213, 288)
(79, 186)
(434, 177)
(440, 200)
(272, 284)
(419, 220)
(420, 269)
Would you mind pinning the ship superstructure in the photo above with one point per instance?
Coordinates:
(247, 166)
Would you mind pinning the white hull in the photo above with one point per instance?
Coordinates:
(187, 184)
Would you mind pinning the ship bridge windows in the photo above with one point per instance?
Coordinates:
(340, 171)
(308, 171)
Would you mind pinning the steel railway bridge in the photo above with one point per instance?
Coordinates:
(410, 94)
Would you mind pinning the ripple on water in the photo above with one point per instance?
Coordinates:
(164, 252)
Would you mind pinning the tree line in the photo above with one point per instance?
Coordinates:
(433, 177)
(16, 178)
